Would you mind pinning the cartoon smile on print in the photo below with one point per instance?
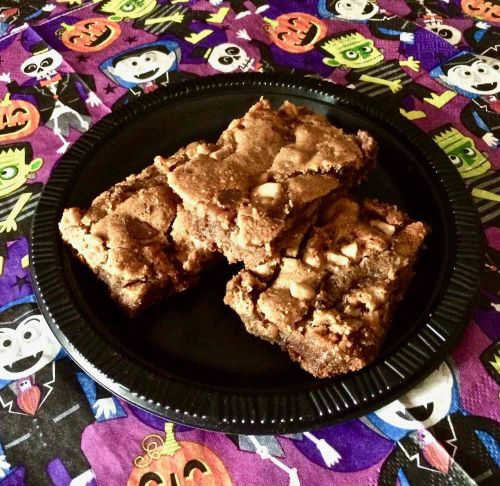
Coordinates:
(482, 9)
(349, 9)
(89, 35)
(477, 77)
(228, 58)
(26, 347)
(18, 118)
(296, 32)
(178, 463)
(424, 405)
(143, 65)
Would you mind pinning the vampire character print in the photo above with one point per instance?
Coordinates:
(143, 69)
(43, 408)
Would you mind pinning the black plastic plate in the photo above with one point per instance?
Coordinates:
(189, 358)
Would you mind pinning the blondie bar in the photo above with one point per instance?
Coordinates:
(260, 185)
(129, 238)
(330, 306)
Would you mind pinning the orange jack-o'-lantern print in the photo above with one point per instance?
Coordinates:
(18, 119)
(296, 32)
(482, 9)
(90, 35)
(169, 462)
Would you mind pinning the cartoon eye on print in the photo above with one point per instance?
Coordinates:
(233, 51)
(9, 172)
(468, 152)
(464, 72)
(150, 56)
(30, 330)
(48, 61)
(293, 20)
(8, 345)
(225, 60)
(443, 32)
(351, 55)
(456, 161)
(30, 68)
(346, 5)
(6, 341)
(18, 112)
(482, 68)
(193, 465)
(366, 49)
(281, 36)
(127, 7)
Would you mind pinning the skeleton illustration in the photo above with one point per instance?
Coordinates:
(269, 449)
(58, 95)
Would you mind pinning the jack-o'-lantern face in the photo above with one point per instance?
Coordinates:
(171, 463)
(18, 119)
(296, 32)
(481, 9)
(90, 35)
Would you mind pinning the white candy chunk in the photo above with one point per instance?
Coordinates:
(350, 251)
(269, 190)
(337, 259)
(312, 260)
(301, 291)
(386, 228)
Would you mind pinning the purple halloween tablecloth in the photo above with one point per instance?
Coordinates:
(64, 64)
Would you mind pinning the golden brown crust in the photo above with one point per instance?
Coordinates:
(124, 237)
(330, 307)
(266, 171)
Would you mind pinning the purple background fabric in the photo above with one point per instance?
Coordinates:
(107, 435)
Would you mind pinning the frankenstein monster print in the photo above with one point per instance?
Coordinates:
(17, 199)
(164, 18)
(381, 24)
(127, 9)
(474, 167)
(371, 75)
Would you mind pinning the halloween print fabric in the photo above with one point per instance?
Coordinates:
(64, 64)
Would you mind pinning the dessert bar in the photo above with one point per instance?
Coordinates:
(331, 306)
(124, 237)
(259, 187)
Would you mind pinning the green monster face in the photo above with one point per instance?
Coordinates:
(351, 50)
(128, 9)
(14, 171)
(462, 152)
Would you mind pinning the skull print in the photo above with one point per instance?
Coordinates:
(228, 58)
(43, 65)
